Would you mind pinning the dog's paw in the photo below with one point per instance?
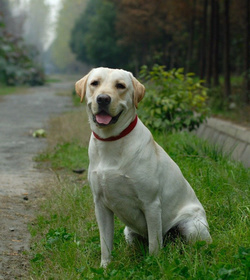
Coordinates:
(105, 263)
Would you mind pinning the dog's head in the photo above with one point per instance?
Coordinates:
(112, 96)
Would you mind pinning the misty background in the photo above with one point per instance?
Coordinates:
(44, 28)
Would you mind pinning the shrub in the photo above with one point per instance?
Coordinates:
(174, 101)
(16, 64)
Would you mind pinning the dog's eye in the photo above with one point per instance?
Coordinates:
(94, 83)
(120, 86)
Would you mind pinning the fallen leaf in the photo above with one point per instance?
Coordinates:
(39, 133)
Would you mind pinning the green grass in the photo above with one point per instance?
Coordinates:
(65, 156)
(65, 237)
(5, 90)
(51, 80)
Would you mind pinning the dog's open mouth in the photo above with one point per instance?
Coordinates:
(103, 118)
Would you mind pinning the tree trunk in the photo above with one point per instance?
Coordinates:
(203, 41)
(246, 54)
(226, 50)
(191, 37)
(210, 45)
(216, 26)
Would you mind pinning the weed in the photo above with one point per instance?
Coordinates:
(56, 237)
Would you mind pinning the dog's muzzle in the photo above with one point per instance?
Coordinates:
(103, 118)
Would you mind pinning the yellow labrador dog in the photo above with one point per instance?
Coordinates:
(130, 175)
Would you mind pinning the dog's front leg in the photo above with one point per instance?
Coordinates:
(105, 220)
(154, 225)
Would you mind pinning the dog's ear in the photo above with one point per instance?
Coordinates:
(139, 91)
(80, 86)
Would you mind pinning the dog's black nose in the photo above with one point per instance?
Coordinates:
(103, 99)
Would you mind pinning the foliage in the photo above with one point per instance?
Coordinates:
(60, 52)
(141, 27)
(173, 101)
(220, 184)
(16, 65)
(93, 38)
(181, 33)
(57, 237)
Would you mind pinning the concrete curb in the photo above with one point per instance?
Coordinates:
(234, 139)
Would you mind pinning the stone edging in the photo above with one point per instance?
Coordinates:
(233, 139)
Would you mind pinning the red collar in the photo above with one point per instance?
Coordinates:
(125, 132)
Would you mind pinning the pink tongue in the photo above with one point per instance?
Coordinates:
(103, 119)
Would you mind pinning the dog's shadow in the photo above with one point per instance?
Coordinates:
(173, 236)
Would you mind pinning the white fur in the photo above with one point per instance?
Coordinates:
(133, 177)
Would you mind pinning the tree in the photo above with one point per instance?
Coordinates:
(15, 19)
(94, 37)
(140, 30)
(4, 10)
(210, 45)
(215, 47)
(61, 53)
(226, 50)
(36, 24)
(16, 65)
(247, 52)
(203, 40)
(191, 37)
(80, 28)
(209, 37)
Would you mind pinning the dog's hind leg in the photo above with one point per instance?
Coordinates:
(195, 229)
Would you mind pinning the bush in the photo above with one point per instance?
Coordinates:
(16, 65)
(174, 101)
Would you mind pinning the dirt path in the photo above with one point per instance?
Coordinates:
(20, 114)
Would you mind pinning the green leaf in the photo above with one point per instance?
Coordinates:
(173, 96)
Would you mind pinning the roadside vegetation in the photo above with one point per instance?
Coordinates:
(236, 109)
(18, 60)
(65, 237)
(174, 101)
(5, 90)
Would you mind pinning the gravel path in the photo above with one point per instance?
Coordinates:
(20, 115)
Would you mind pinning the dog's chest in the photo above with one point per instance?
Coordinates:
(109, 171)
(117, 191)
(112, 177)
(112, 184)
